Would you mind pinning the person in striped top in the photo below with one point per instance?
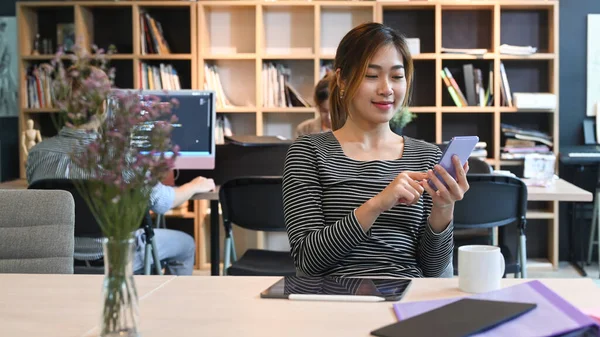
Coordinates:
(356, 199)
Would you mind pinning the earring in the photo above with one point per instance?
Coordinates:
(342, 93)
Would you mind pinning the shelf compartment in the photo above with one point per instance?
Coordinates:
(238, 78)
(422, 127)
(337, 21)
(48, 124)
(470, 124)
(301, 78)
(284, 125)
(457, 69)
(288, 30)
(95, 19)
(528, 75)
(241, 123)
(123, 73)
(182, 69)
(228, 30)
(423, 80)
(528, 120)
(468, 29)
(176, 26)
(42, 20)
(413, 22)
(526, 27)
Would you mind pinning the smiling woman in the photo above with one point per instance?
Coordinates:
(356, 202)
(371, 58)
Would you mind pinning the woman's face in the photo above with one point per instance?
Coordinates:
(382, 90)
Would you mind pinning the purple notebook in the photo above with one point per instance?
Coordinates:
(553, 315)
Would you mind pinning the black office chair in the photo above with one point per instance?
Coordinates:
(495, 201)
(254, 203)
(479, 166)
(87, 226)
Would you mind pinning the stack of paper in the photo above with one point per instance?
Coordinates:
(553, 315)
(479, 51)
(517, 50)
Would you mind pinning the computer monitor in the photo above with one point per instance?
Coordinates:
(194, 131)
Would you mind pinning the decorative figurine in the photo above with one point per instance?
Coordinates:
(30, 138)
(36, 45)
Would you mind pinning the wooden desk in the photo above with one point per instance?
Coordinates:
(70, 305)
(561, 190)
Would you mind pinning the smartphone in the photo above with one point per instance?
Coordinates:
(461, 146)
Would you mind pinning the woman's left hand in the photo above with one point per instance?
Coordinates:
(445, 197)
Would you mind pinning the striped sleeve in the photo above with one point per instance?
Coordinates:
(435, 249)
(315, 247)
(161, 198)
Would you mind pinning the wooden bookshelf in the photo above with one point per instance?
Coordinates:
(238, 37)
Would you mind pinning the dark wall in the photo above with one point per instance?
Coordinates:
(7, 7)
(572, 86)
(9, 127)
(573, 67)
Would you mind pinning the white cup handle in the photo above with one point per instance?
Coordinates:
(502, 263)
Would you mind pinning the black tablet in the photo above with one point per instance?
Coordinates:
(337, 289)
(462, 318)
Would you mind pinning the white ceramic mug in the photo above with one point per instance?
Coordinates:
(480, 268)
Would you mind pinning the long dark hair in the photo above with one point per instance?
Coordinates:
(352, 59)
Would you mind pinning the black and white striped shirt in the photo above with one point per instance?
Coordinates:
(321, 189)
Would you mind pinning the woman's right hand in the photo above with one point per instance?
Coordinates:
(405, 189)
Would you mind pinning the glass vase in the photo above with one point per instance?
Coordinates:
(120, 314)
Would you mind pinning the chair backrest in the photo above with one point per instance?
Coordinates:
(36, 232)
(479, 166)
(253, 203)
(85, 222)
(492, 201)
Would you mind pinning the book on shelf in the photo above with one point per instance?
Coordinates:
(161, 77)
(480, 150)
(476, 92)
(278, 92)
(222, 129)
(40, 92)
(212, 81)
(505, 92)
(152, 38)
(520, 142)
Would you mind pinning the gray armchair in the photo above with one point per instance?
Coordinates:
(36, 231)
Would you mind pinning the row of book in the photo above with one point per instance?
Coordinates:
(152, 37)
(40, 92)
(476, 92)
(161, 77)
(212, 81)
(278, 92)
